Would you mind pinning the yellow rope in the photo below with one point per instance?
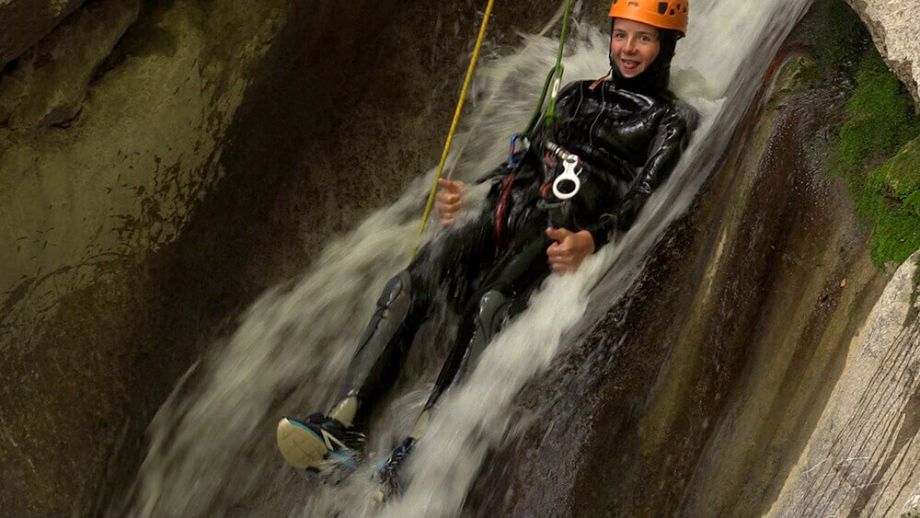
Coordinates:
(453, 125)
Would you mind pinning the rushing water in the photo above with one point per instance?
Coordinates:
(212, 443)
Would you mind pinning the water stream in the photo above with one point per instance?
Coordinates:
(212, 443)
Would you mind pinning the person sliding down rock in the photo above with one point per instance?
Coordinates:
(622, 135)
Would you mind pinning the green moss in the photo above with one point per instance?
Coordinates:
(877, 149)
(879, 123)
(879, 117)
(896, 230)
(899, 176)
(912, 203)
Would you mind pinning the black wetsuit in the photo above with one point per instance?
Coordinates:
(627, 142)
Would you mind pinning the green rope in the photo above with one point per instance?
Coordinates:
(555, 74)
(539, 109)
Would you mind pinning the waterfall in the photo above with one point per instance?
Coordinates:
(212, 446)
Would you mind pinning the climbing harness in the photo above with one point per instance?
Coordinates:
(567, 184)
(552, 85)
(501, 209)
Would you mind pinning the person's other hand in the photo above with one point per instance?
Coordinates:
(569, 249)
(449, 200)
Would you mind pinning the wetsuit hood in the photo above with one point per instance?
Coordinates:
(655, 79)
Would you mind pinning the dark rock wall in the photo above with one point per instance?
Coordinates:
(112, 136)
(25, 22)
(48, 84)
(160, 165)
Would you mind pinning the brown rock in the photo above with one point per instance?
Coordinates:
(25, 22)
(50, 83)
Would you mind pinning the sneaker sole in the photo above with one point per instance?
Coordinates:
(300, 446)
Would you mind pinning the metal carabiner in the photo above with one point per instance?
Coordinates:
(512, 149)
(567, 184)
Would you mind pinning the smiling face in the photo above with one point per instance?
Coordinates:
(633, 46)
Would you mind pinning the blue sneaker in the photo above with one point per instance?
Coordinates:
(389, 475)
(317, 442)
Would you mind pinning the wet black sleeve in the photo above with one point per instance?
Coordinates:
(665, 151)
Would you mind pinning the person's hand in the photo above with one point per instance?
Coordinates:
(449, 200)
(569, 250)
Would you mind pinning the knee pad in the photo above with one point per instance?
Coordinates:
(392, 308)
(396, 290)
(492, 314)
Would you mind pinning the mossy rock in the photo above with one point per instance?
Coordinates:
(879, 116)
(896, 233)
(912, 203)
(900, 176)
(879, 154)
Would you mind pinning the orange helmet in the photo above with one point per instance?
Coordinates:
(671, 14)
